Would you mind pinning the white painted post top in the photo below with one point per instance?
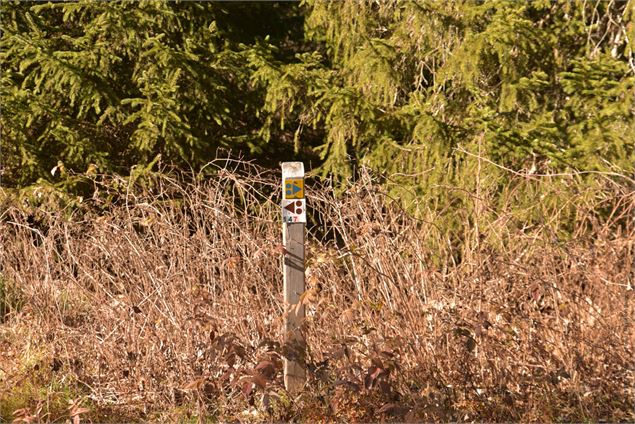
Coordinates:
(292, 170)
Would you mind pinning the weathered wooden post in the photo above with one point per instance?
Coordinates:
(294, 220)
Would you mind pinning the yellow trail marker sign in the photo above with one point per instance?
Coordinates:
(293, 188)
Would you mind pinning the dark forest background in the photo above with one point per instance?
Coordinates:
(402, 87)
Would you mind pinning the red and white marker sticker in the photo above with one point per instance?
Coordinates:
(293, 210)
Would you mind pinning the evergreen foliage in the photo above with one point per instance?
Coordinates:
(113, 84)
(405, 87)
(404, 83)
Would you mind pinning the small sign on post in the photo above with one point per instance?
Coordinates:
(293, 223)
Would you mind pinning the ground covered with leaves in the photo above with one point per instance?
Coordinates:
(159, 298)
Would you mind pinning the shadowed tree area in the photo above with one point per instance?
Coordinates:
(394, 85)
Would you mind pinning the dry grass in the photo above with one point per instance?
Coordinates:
(167, 305)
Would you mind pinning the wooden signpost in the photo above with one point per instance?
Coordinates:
(294, 220)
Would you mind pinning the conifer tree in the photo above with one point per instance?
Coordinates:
(400, 85)
(113, 84)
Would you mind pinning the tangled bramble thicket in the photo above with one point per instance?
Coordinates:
(160, 298)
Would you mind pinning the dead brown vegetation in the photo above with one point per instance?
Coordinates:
(167, 305)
